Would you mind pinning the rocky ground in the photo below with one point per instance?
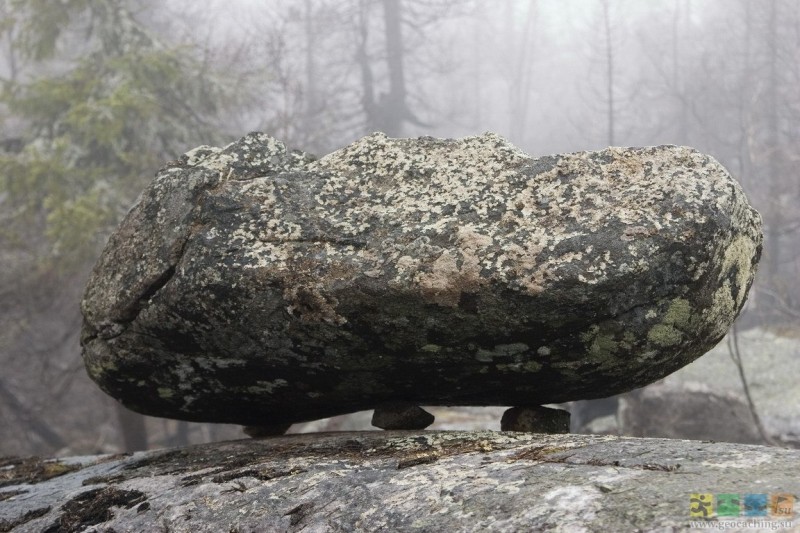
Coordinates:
(406, 481)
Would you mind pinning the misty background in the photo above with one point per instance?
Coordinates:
(96, 95)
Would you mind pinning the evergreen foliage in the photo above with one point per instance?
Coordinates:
(102, 104)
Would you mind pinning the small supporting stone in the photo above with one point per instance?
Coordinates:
(266, 431)
(401, 415)
(536, 419)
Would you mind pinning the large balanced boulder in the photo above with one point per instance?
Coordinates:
(255, 285)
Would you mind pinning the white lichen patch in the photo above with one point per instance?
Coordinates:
(518, 220)
(267, 387)
(201, 154)
(424, 184)
(573, 506)
(210, 158)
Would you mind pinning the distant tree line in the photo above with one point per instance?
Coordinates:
(95, 95)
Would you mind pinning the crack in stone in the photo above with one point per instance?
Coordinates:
(317, 240)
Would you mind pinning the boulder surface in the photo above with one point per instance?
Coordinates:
(426, 481)
(255, 285)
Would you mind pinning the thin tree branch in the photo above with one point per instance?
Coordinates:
(736, 357)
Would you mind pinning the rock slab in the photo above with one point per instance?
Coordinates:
(255, 285)
(400, 481)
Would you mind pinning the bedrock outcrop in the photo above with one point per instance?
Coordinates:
(472, 481)
(255, 285)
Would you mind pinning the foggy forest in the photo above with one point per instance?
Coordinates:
(97, 95)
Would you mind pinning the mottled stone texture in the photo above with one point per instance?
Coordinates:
(403, 481)
(258, 286)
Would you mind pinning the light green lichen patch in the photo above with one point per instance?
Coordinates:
(679, 313)
(664, 335)
(600, 344)
(603, 345)
(100, 367)
(628, 340)
(431, 348)
(675, 325)
(737, 268)
(165, 393)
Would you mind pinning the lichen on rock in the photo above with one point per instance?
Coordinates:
(257, 285)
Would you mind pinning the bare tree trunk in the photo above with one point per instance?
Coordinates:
(181, 433)
(367, 78)
(30, 420)
(775, 221)
(745, 105)
(680, 21)
(736, 356)
(132, 428)
(478, 45)
(609, 71)
(312, 107)
(393, 105)
(390, 110)
(521, 80)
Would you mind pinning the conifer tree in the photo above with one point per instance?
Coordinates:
(102, 104)
(91, 104)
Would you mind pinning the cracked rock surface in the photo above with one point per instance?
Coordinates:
(255, 285)
(396, 481)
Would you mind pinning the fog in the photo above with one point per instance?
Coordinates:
(96, 96)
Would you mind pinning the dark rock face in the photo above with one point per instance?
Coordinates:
(401, 415)
(537, 419)
(257, 286)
